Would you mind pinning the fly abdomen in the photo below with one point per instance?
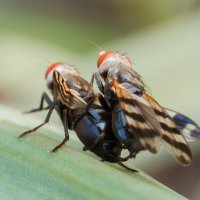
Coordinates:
(123, 131)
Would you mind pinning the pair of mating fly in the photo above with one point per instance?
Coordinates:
(122, 116)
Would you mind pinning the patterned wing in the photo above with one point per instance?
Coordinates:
(140, 117)
(189, 129)
(170, 133)
(67, 96)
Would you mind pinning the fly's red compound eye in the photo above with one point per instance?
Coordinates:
(103, 56)
(52, 67)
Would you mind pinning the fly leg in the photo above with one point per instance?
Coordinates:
(97, 78)
(99, 82)
(90, 90)
(52, 106)
(120, 160)
(66, 138)
(128, 168)
(44, 98)
(127, 157)
(103, 101)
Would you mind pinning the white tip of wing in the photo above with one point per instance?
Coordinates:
(188, 128)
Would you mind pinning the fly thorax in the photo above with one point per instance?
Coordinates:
(64, 70)
(112, 73)
(108, 64)
(125, 62)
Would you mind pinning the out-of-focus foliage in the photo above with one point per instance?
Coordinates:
(70, 23)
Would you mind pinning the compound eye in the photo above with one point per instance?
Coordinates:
(53, 67)
(103, 56)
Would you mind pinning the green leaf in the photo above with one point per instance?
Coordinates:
(29, 171)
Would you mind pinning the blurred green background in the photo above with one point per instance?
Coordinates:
(161, 37)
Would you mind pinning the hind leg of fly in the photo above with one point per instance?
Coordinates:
(121, 160)
(126, 167)
(66, 138)
(51, 108)
(44, 98)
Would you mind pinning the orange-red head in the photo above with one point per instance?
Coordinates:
(103, 56)
(110, 59)
(62, 68)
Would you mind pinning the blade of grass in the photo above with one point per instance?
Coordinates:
(29, 171)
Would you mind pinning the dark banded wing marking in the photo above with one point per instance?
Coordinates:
(189, 129)
(170, 134)
(67, 96)
(140, 117)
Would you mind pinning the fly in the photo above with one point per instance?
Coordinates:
(138, 121)
(82, 111)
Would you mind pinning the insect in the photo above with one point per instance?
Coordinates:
(87, 115)
(138, 121)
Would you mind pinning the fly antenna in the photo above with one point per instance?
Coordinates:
(45, 59)
(94, 44)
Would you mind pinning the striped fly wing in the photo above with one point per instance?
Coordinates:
(140, 117)
(67, 96)
(188, 128)
(170, 134)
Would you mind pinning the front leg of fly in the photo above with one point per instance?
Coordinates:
(90, 91)
(66, 138)
(103, 102)
(44, 98)
(53, 105)
(99, 82)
